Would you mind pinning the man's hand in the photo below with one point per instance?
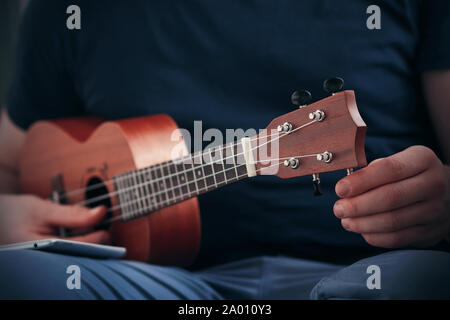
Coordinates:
(398, 201)
(26, 218)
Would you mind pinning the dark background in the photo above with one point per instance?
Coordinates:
(9, 25)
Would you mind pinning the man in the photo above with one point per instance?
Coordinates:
(233, 65)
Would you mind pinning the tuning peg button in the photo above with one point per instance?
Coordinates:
(292, 162)
(316, 185)
(333, 85)
(301, 98)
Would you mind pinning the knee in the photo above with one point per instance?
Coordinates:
(405, 274)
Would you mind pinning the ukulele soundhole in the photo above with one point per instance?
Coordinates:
(97, 195)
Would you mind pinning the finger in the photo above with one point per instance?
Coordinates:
(389, 197)
(399, 166)
(75, 216)
(416, 236)
(422, 213)
(99, 237)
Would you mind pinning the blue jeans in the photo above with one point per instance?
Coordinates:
(403, 274)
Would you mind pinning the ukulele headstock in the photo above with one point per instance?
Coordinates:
(325, 136)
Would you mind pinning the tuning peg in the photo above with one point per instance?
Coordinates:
(301, 98)
(333, 85)
(316, 185)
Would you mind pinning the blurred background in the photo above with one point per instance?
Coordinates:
(9, 25)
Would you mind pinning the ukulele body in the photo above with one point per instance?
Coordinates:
(75, 153)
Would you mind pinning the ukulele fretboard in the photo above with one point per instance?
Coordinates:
(140, 192)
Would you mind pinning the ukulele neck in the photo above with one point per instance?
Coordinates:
(140, 192)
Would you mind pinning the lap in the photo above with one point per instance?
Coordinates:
(32, 274)
(403, 274)
(267, 277)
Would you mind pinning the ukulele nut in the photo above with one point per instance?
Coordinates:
(317, 115)
(325, 157)
(293, 163)
(285, 127)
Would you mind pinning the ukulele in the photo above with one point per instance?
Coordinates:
(128, 166)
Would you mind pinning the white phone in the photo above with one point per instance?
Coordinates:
(69, 247)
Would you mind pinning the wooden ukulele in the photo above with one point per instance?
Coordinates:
(128, 166)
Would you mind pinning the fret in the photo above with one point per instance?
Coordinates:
(135, 188)
(240, 160)
(208, 169)
(127, 194)
(188, 167)
(162, 185)
(144, 190)
(140, 193)
(155, 187)
(167, 182)
(136, 191)
(230, 174)
(117, 193)
(175, 182)
(223, 164)
(198, 172)
(147, 183)
(202, 164)
(234, 160)
(182, 177)
(130, 192)
(122, 196)
(128, 197)
(218, 168)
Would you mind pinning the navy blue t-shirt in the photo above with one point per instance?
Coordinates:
(234, 64)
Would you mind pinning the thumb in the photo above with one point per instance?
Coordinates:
(75, 216)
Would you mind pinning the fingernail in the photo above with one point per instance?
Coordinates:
(96, 210)
(345, 224)
(342, 188)
(375, 161)
(339, 210)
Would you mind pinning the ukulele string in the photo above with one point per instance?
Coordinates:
(181, 197)
(160, 166)
(173, 188)
(124, 190)
(165, 165)
(109, 182)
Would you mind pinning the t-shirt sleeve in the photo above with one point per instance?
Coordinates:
(42, 85)
(434, 46)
